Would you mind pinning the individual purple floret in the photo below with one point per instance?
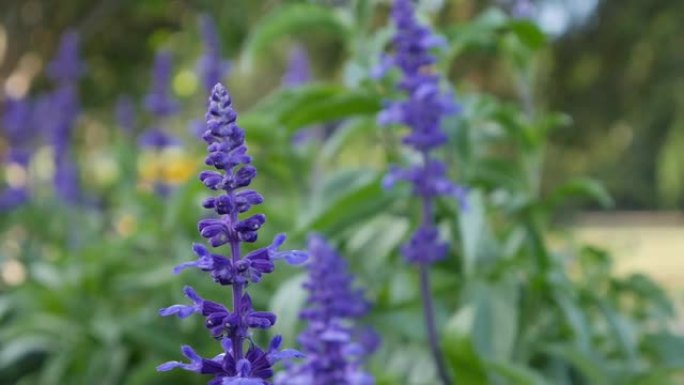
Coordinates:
(332, 354)
(233, 173)
(211, 67)
(298, 69)
(422, 110)
(159, 101)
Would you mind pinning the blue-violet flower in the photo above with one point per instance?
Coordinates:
(234, 172)
(333, 357)
(211, 67)
(125, 114)
(298, 69)
(422, 111)
(16, 124)
(65, 69)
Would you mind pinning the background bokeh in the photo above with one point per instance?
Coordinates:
(614, 66)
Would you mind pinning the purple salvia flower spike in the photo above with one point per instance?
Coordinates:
(211, 67)
(67, 67)
(65, 70)
(16, 121)
(228, 155)
(332, 357)
(422, 112)
(159, 101)
(161, 104)
(16, 128)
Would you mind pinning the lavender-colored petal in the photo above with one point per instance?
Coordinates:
(182, 311)
(292, 257)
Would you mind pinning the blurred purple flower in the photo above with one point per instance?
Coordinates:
(11, 198)
(15, 121)
(125, 114)
(211, 67)
(196, 127)
(422, 111)
(67, 67)
(233, 172)
(159, 100)
(64, 107)
(523, 9)
(157, 139)
(17, 129)
(332, 355)
(298, 69)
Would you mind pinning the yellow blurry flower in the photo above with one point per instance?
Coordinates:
(126, 225)
(171, 166)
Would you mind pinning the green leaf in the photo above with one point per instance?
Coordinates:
(623, 331)
(588, 365)
(14, 350)
(668, 348)
(106, 365)
(344, 104)
(292, 19)
(53, 372)
(346, 132)
(478, 242)
(287, 303)
(583, 188)
(528, 33)
(360, 202)
(480, 33)
(517, 374)
(495, 326)
(575, 318)
(311, 104)
(459, 348)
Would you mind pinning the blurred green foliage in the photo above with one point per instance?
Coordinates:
(619, 75)
(512, 309)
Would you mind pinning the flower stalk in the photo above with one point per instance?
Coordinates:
(232, 327)
(422, 110)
